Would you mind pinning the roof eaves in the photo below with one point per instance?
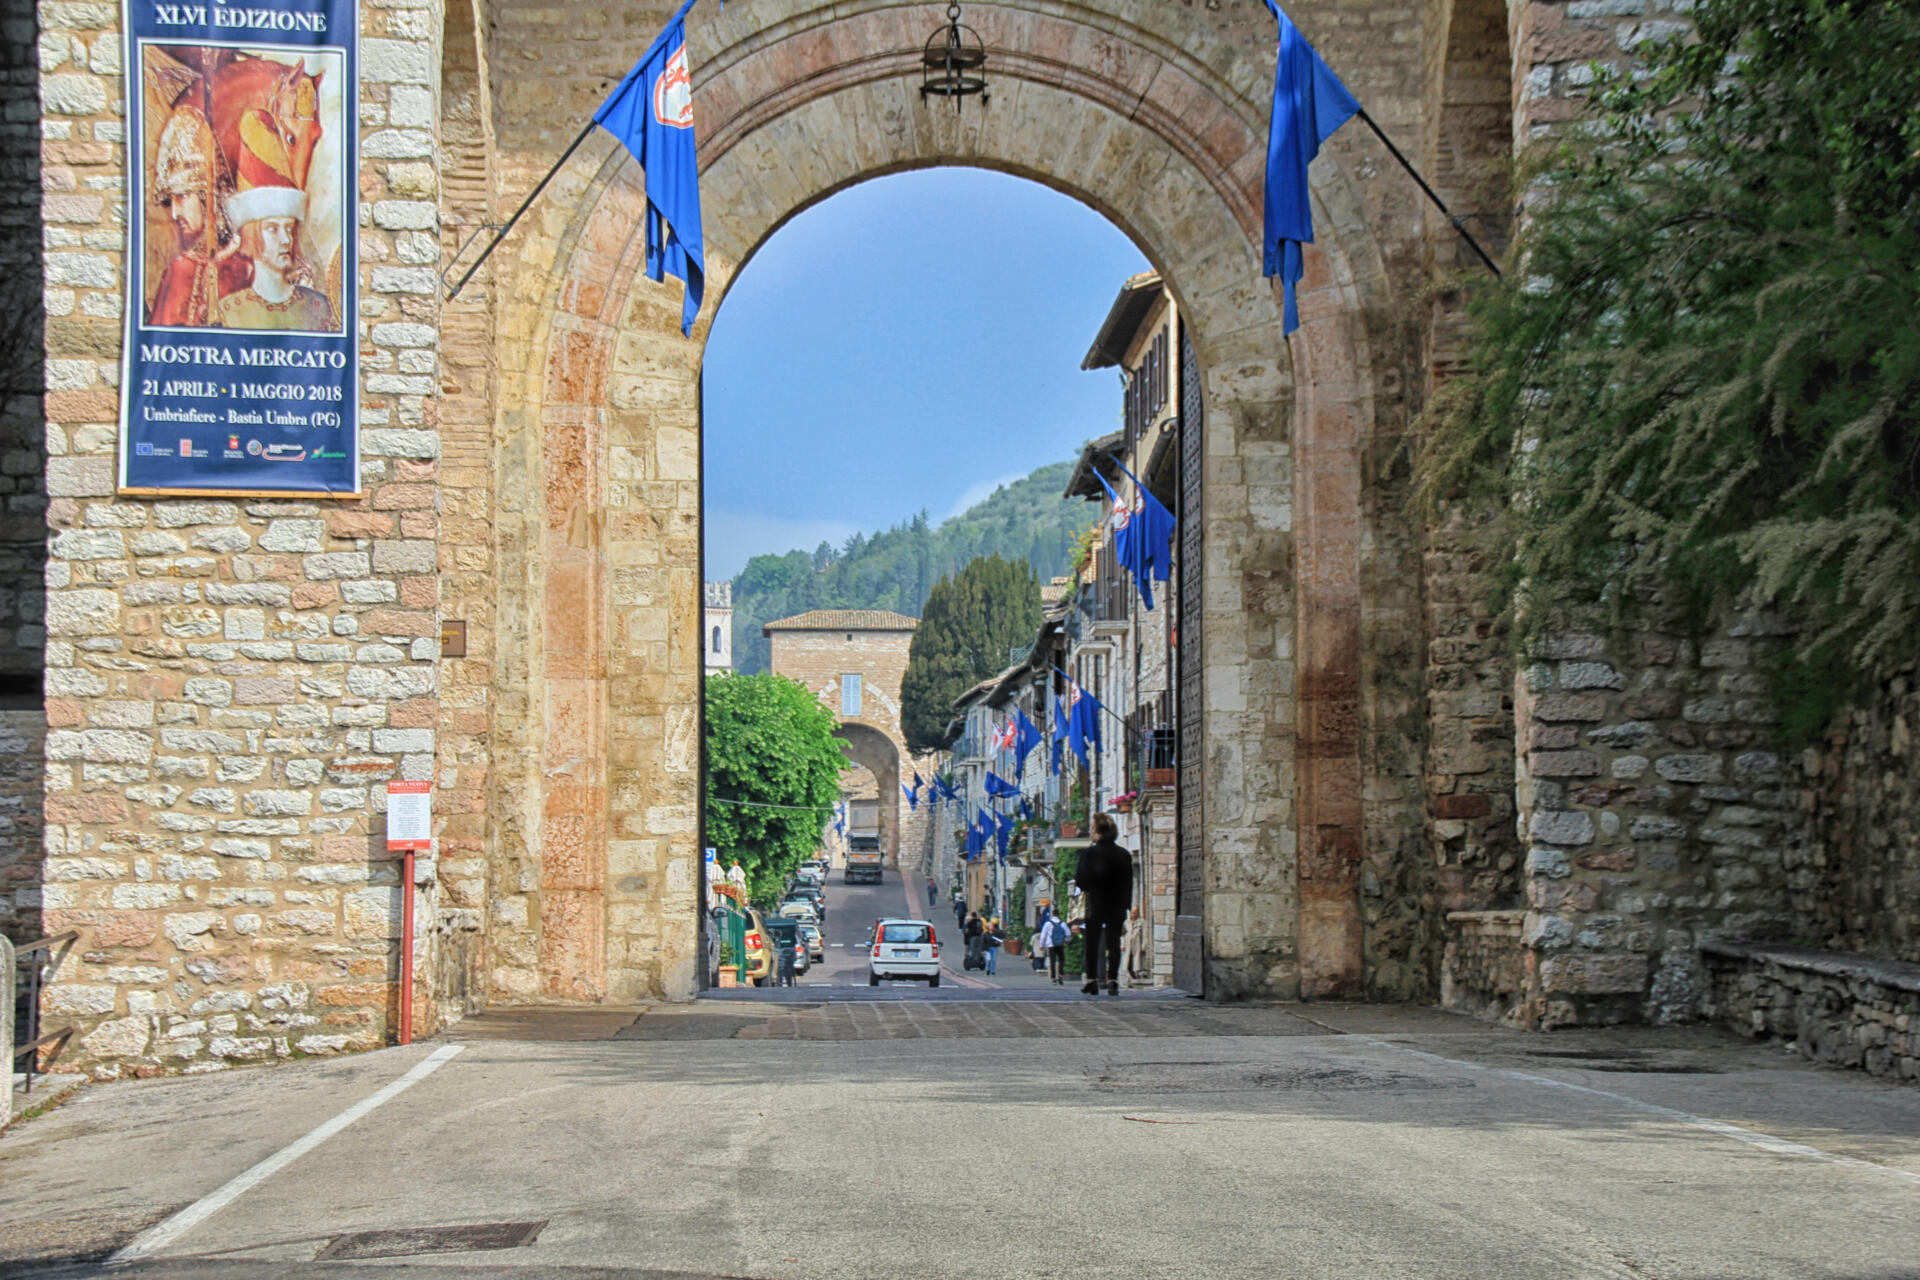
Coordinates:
(1136, 299)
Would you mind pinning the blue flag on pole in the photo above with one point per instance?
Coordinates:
(651, 113)
(1026, 736)
(913, 797)
(1151, 529)
(1060, 728)
(999, 788)
(1002, 832)
(1309, 103)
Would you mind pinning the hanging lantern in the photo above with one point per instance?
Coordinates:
(953, 60)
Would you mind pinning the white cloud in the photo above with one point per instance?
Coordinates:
(979, 493)
(733, 538)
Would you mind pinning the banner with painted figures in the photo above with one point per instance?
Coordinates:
(241, 366)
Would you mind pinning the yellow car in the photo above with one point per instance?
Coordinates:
(760, 955)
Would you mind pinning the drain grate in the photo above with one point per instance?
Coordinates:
(410, 1242)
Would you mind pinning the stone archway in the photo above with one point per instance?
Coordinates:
(875, 752)
(1168, 143)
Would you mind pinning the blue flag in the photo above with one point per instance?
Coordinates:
(1152, 528)
(1309, 103)
(1123, 540)
(999, 788)
(1060, 728)
(651, 113)
(1026, 736)
(913, 797)
(1003, 830)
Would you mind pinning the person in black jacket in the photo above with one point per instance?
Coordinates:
(1105, 877)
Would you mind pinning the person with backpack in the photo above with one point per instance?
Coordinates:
(1053, 941)
(974, 935)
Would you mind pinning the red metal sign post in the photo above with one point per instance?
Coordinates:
(409, 831)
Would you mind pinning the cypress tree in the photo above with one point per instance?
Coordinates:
(970, 624)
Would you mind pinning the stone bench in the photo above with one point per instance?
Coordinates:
(1832, 1006)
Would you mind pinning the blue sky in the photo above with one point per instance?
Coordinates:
(910, 343)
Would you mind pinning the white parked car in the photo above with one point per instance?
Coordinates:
(904, 949)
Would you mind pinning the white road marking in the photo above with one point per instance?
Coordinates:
(1739, 1133)
(162, 1234)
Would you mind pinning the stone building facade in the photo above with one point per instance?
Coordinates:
(228, 682)
(854, 660)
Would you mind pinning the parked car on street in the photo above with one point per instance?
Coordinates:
(816, 942)
(800, 911)
(904, 949)
(785, 931)
(811, 898)
(760, 958)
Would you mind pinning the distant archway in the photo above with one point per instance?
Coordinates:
(874, 751)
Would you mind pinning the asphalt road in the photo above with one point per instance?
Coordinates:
(994, 1138)
(852, 910)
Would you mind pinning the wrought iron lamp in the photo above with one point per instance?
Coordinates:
(953, 59)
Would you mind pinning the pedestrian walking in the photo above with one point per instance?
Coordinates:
(973, 933)
(933, 894)
(994, 937)
(1053, 940)
(1105, 877)
(788, 963)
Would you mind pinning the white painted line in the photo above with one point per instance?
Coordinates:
(162, 1234)
(1739, 1133)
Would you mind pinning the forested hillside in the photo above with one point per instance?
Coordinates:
(1026, 520)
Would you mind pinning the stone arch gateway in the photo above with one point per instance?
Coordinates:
(1170, 146)
(229, 682)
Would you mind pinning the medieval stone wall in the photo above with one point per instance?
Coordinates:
(230, 682)
(23, 542)
(1853, 863)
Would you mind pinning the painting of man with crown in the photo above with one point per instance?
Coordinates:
(247, 203)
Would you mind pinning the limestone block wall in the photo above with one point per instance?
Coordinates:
(23, 543)
(1853, 864)
(229, 683)
(1657, 813)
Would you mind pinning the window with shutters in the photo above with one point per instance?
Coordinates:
(850, 694)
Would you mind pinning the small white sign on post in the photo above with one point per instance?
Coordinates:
(409, 815)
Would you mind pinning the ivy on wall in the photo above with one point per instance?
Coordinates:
(1704, 368)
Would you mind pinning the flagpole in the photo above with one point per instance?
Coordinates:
(1432, 195)
(518, 213)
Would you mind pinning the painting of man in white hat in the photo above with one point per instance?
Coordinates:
(268, 207)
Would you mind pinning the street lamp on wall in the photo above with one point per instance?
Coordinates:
(953, 61)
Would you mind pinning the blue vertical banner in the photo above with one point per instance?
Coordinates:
(241, 365)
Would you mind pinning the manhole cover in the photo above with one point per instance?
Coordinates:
(408, 1242)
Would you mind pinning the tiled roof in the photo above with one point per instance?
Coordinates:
(845, 620)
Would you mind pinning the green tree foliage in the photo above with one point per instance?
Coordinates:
(1708, 369)
(970, 624)
(1026, 520)
(770, 742)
